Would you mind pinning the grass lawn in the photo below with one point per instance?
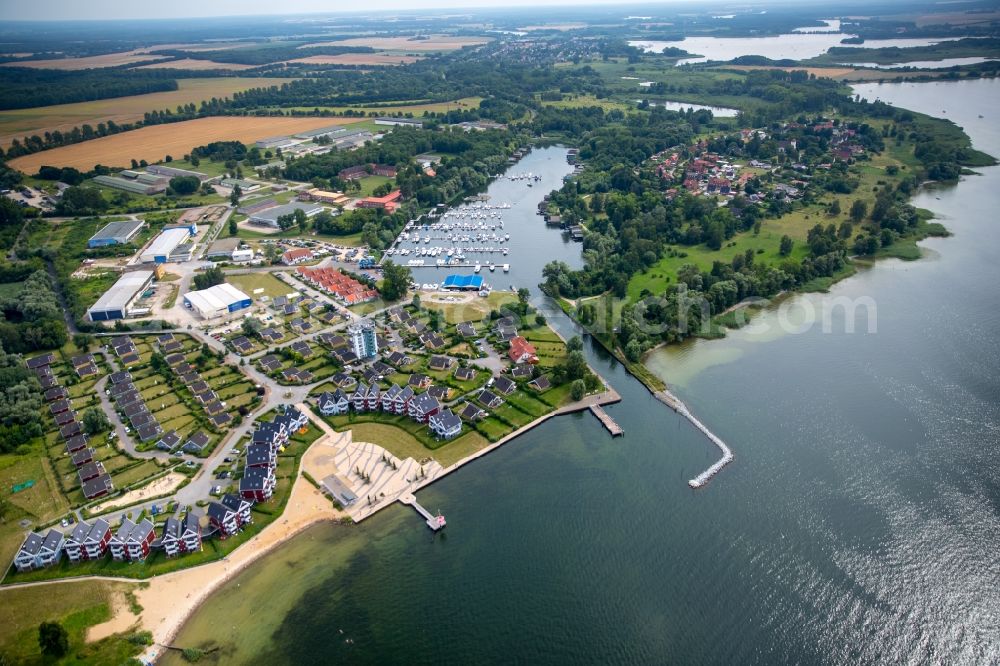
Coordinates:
(583, 101)
(250, 282)
(369, 183)
(76, 606)
(404, 445)
(350, 240)
(369, 307)
(475, 309)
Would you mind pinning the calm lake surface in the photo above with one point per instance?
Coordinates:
(719, 111)
(531, 244)
(858, 524)
(796, 46)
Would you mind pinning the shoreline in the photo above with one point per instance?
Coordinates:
(162, 592)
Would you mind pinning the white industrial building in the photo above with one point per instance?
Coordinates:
(217, 301)
(164, 245)
(116, 302)
(269, 216)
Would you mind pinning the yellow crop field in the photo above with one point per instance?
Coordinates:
(408, 44)
(18, 123)
(90, 62)
(358, 59)
(154, 142)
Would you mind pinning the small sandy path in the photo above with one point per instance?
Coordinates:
(161, 486)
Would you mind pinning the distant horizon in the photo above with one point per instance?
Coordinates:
(95, 11)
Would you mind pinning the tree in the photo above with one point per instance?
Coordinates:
(301, 219)
(209, 278)
(53, 639)
(577, 389)
(859, 209)
(574, 344)
(415, 301)
(785, 248)
(522, 295)
(250, 327)
(83, 341)
(185, 184)
(232, 226)
(835, 207)
(395, 281)
(95, 421)
(234, 196)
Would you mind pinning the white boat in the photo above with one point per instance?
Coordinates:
(506, 268)
(477, 268)
(492, 267)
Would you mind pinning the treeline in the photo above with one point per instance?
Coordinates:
(20, 403)
(430, 80)
(264, 55)
(26, 87)
(31, 318)
(468, 161)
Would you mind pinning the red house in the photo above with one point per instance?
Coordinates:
(388, 203)
(522, 351)
(257, 484)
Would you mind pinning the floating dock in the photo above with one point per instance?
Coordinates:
(609, 423)
(434, 522)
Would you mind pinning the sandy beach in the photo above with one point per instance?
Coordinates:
(169, 600)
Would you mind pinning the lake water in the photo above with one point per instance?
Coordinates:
(532, 244)
(859, 523)
(794, 46)
(720, 111)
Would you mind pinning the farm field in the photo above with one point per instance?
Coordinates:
(25, 122)
(90, 62)
(250, 282)
(154, 142)
(192, 64)
(358, 59)
(408, 44)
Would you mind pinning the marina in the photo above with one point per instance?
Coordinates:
(496, 231)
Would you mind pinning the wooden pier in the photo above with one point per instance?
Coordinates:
(609, 423)
(434, 522)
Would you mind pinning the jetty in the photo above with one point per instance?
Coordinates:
(678, 406)
(609, 423)
(434, 522)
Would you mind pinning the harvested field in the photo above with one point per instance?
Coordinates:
(561, 27)
(435, 43)
(358, 59)
(91, 62)
(196, 65)
(16, 123)
(153, 143)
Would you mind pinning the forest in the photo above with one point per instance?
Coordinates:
(26, 87)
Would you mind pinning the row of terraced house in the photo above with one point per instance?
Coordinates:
(133, 542)
(421, 407)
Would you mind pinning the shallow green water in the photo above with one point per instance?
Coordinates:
(858, 524)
